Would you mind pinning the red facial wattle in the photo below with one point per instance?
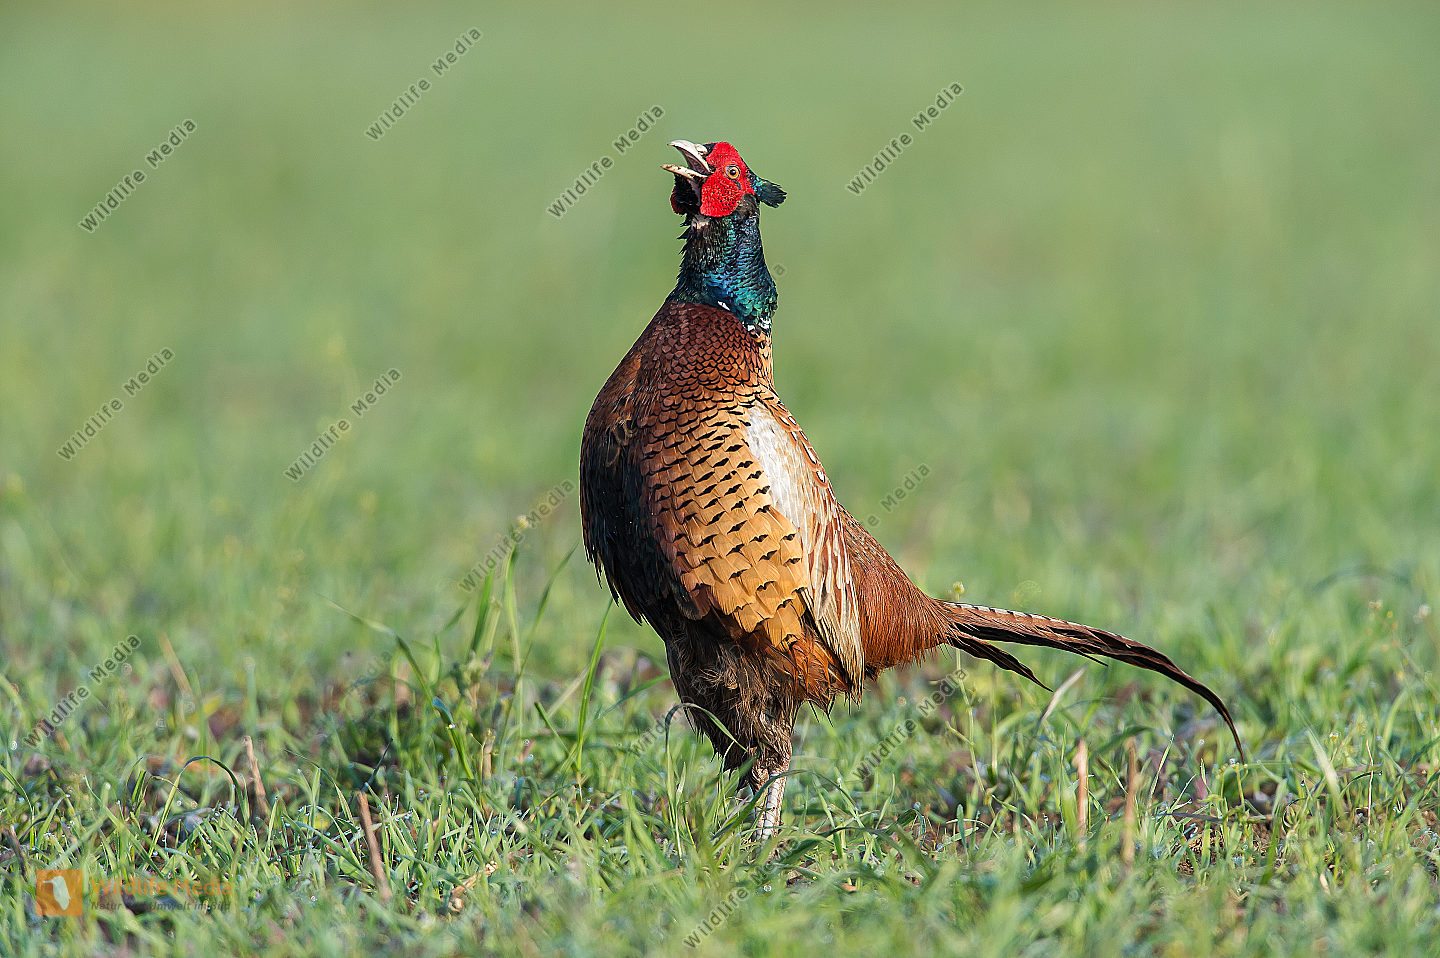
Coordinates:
(726, 186)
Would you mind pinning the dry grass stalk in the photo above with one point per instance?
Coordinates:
(1132, 786)
(377, 867)
(255, 775)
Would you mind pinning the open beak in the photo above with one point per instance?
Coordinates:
(695, 171)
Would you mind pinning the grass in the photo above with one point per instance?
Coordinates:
(1149, 311)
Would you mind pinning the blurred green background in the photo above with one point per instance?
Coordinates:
(1154, 301)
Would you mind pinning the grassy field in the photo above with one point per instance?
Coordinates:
(1143, 327)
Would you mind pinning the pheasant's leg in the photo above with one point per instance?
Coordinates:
(768, 822)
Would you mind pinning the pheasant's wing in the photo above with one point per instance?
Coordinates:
(610, 500)
(743, 511)
(802, 492)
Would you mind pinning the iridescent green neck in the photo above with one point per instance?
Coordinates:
(724, 266)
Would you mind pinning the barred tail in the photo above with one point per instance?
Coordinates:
(975, 626)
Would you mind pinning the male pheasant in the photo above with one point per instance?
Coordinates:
(712, 518)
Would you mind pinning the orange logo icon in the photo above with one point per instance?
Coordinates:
(58, 891)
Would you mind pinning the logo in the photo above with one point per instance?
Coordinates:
(58, 891)
(61, 891)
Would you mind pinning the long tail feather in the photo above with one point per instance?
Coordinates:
(977, 625)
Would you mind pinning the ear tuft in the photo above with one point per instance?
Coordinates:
(767, 192)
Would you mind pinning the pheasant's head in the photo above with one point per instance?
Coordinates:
(723, 264)
(715, 182)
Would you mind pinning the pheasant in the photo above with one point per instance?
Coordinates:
(711, 517)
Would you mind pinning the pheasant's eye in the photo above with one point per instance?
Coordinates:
(733, 172)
